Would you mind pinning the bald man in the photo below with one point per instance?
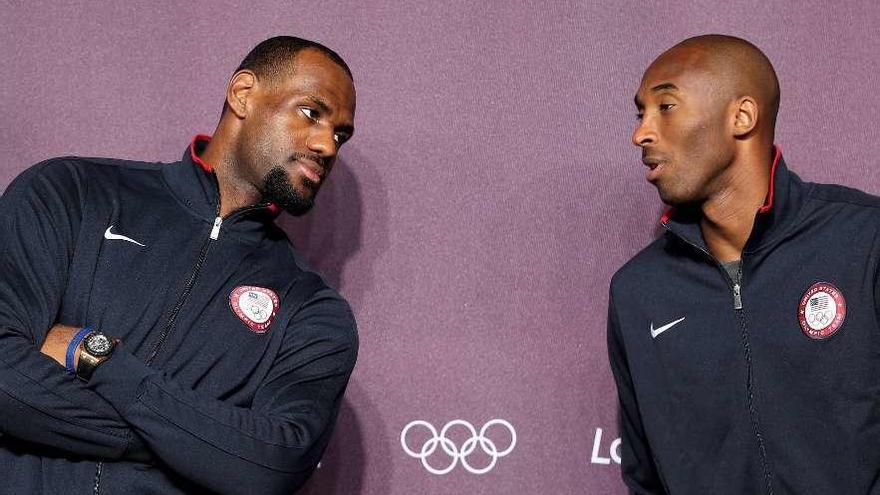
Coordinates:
(744, 341)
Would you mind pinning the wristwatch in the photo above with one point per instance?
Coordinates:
(96, 348)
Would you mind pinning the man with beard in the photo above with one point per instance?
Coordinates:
(743, 341)
(158, 334)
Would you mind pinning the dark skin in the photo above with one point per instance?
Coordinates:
(706, 135)
(296, 120)
(57, 340)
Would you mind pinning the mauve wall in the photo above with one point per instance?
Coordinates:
(478, 215)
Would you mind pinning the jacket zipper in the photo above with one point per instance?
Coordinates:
(736, 288)
(214, 235)
(737, 296)
(190, 283)
(172, 318)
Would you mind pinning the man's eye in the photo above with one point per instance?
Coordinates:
(310, 113)
(666, 106)
(340, 138)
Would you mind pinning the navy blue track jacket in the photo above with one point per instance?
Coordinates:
(198, 398)
(736, 397)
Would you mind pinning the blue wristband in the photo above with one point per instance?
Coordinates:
(71, 349)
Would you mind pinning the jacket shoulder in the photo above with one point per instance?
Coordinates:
(60, 175)
(307, 282)
(835, 193)
(646, 261)
(88, 162)
(72, 169)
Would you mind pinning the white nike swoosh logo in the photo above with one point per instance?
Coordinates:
(116, 237)
(657, 331)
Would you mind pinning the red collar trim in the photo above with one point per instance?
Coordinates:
(196, 158)
(207, 167)
(768, 205)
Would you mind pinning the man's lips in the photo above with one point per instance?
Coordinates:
(655, 167)
(311, 170)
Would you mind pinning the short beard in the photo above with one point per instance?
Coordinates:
(277, 189)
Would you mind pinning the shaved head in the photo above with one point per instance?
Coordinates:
(738, 67)
(706, 105)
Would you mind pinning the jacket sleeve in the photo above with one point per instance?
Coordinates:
(39, 402)
(637, 463)
(270, 447)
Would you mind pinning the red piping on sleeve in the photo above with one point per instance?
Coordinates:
(192, 151)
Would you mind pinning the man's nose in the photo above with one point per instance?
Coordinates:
(322, 143)
(644, 134)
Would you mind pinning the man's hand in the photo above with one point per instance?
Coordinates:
(56, 343)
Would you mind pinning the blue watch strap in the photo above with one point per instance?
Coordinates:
(71, 348)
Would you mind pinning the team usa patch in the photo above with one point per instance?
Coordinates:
(255, 306)
(821, 311)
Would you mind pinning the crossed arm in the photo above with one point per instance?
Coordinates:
(39, 403)
(130, 411)
(57, 341)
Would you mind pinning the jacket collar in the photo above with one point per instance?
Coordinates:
(784, 199)
(193, 182)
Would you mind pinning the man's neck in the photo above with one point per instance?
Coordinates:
(729, 214)
(235, 191)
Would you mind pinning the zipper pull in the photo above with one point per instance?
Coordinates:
(215, 232)
(737, 297)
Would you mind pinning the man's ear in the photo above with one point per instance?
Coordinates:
(239, 91)
(746, 116)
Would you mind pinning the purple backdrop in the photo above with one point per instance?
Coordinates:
(475, 220)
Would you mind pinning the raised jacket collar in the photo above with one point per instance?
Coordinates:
(194, 183)
(784, 199)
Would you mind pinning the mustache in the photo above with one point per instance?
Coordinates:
(323, 162)
(650, 157)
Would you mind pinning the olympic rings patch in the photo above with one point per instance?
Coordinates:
(821, 311)
(254, 306)
(458, 454)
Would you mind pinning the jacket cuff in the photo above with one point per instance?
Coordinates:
(118, 379)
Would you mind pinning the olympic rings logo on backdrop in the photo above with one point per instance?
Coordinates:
(457, 453)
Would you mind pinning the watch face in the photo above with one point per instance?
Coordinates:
(98, 344)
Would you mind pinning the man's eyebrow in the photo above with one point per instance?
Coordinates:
(324, 107)
(320, 103)
(657, 89)
(664, 87)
